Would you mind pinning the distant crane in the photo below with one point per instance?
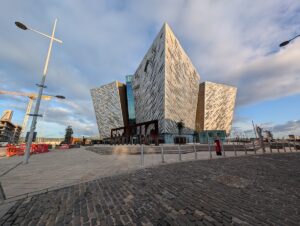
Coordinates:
(32, 97)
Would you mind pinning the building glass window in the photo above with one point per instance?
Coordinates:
(130, 100)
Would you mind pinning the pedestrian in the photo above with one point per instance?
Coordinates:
(218, 146)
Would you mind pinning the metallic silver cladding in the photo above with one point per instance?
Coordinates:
(166, 85)
(108, 110)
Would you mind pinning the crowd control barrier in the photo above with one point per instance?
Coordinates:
(19, 150)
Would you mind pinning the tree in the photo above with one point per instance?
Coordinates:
(68, 135)
(180, 126)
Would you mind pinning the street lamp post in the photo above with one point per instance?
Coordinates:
(41, 85)
(288, 41)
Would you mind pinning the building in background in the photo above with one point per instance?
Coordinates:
(293, 137)
(17, 134)
(7, 115)
(164, 90)
(166, 86)
(6, 131)
(9, 132)
(209, 136)
(110, 104)
(215, 108)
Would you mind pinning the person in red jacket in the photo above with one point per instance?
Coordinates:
(218, 146)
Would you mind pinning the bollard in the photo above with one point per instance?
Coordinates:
(234, 149)
(295, 145)
(277, 146)
(162, 154)
(283, 144)
(209, 149)
(254, 147)
(245, 149)
(222, 148)
(289, 146)
(270, 147)
(142, 155)
(195, 151)
(179, 153)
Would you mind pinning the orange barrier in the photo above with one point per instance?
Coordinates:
(34, 149)
(20, 149)
(12, 150)
(41, 148)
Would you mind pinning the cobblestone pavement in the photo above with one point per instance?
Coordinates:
(65, 167)
(253, 190)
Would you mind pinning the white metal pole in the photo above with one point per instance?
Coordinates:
(38, 101)
(142, 155)
(162, 154)
(209, 149)
(55, 39)
(28, 110)
(234, 149)
(222, 148)
(179, 152)
(254, 147)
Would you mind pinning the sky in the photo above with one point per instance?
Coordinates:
(233, 42)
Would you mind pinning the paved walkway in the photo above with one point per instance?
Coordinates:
(253, 190)
(58, 168)
(65, 167)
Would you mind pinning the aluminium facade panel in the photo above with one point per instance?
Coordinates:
(107, 101)
(166, 85)
(181, 87)
(148, 84)
(216, 107)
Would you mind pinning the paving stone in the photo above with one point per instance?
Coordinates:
(252, 190)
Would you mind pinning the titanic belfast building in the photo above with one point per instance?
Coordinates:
(164, 90)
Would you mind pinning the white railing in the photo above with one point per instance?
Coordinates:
(167, 153)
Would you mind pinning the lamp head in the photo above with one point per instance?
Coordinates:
(60, 97)
(284, 43)
(20, 25)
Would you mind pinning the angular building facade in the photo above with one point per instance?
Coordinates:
(215, 107)
(110, 107)
(165, 88)
(166, 85)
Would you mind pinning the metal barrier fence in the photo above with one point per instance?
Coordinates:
(163, 153)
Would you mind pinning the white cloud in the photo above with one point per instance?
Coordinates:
(233, 42)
